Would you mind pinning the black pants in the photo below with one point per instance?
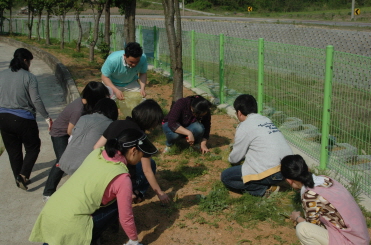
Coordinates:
(56, 174)
(16, 131)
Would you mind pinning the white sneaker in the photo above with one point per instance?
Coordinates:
(45, 198)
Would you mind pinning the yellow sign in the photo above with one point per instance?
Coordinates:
(249, 9)
(357, 11)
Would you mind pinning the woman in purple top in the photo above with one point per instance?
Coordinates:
(188, 118)
(63, 125)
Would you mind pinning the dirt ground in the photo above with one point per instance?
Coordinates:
(158, 224)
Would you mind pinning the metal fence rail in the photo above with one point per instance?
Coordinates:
(287, 80)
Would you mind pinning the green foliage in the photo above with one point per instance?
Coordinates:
(216, 201)
(200, 5)
(78, 55)
(104, 49)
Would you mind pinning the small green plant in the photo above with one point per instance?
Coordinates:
(217, 150)
(78, 55)
(216, 201)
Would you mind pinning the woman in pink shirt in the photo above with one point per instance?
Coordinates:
(99, 192)
(331, 215)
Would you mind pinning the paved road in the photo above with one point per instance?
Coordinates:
(19, 209)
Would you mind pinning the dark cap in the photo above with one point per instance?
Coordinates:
(143, 144)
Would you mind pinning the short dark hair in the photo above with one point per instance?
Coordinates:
(116, 144)
(93, 92)
(133, 49)
(18, 62)
(200, 105)
(147, 114)
(294, 167)
(246, 104)
(108, 108)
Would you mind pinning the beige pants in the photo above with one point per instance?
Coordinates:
(311, 234)
(131, 87)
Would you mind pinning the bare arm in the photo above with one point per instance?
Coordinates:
(189, 134)
(101, 142)
(107, 81)
(147, 170)
(142, 82)
(69, 128)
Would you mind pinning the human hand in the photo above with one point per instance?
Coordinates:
(294, 215)
(204, 148)
(164, 198)
(131, 242)
(190, 138)
(119, 95)
(49, 121)
(143, 93)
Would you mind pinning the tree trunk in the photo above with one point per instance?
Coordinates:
(174, 36)
(38, 26)
(107, 23)
(47, 37)
(10, 22)
(30, 23)
(79, 39)
(1, 21)
(129, 22)
(62, 20)
(95, 35)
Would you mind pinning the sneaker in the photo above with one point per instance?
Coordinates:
(167, 149)
(271, 191)
(45, 198)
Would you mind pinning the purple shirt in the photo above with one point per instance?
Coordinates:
(181, 115)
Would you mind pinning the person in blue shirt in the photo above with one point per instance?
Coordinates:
(121, 68)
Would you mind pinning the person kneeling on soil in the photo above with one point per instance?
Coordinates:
(262, 145)
(188, 118)
(97, 194)
(332, 216)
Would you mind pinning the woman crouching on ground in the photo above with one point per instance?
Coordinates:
(331, 214)
(95, 195)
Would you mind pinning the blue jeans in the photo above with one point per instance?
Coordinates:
(56, 174)
(232, 179)
(102, 218)
(140, 182)
(196, 128)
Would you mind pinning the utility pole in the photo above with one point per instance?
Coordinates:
(352, 11)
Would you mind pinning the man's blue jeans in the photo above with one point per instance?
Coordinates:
(196, 128)
(232, 179)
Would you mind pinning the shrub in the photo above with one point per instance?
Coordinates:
(200, 5)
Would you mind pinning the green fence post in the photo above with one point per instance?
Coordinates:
(43, 28)
(326, 107)
(193, 58)
(16, 26)
(22, 27)
(260, 75)
(69, 31)
(155, 61)
(140, 36)
(221, 68)
(113, 27)
(59, 31)
(50, 29)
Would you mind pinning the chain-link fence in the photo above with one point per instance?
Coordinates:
(292, 84)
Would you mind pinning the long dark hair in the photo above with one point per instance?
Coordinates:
(147, 114)
(108, 108)
(18, 61)
(116, 144)
(92, 93)
(294, 167)
(200, 105)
